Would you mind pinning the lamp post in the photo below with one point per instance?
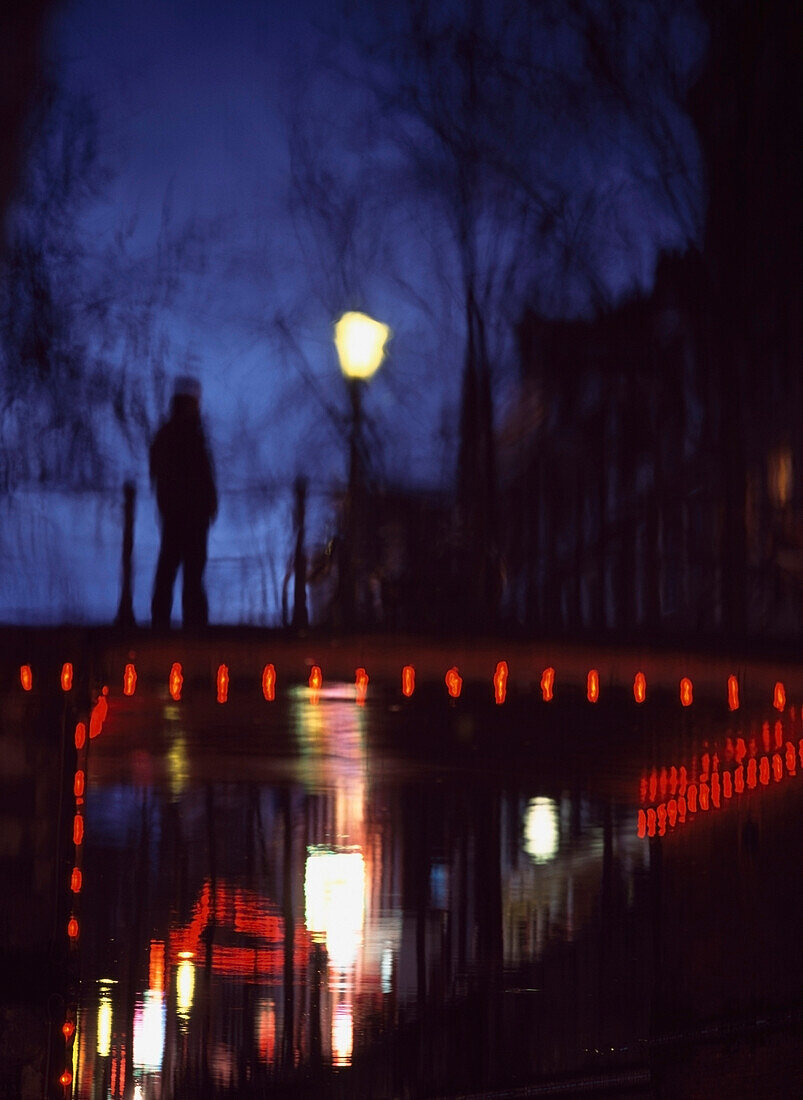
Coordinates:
(360, 342)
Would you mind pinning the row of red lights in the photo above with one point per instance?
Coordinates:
(453, 681)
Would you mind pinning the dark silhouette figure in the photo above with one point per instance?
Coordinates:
(182, 473)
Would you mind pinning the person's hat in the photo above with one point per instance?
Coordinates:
(187, 386)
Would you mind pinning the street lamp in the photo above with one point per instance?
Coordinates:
(360, 343)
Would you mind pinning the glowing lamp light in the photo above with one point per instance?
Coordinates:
(80, 735)
(269, 683)
(98, 714)
(66, 1078)
(454, 682)
(185, 986)
(315, 678)
(66, 676)
(764, 771)
(548, 684)
(727, 785)
(751, 773)
(342, 1034)
(78, 830)
(72, 928)
(738, 779)
(175, 681)
(777, 767)
(640, 687)
(360, 343)
(408, 681)
(361, 685)
(68, 1030)
(26, 677)
(500, 682)
(651, 820)
(129, 680)
(642, 824)
(686, 692)
(105, 1024)
(691, 800)
(149, 1031)
(733, 693)
(779, 697)
(334, 901)
(76, 880)
(592, 686)
(541, 831)
(78, 784)
(222, 683)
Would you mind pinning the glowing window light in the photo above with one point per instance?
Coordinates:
(500, 682)
(541, 830)
(454, 682)
(777, 767)
(672, 811)
(592, 685)
(733, 693)
(651, 820)
(686, 692)
(408, 681)
(80, 735)
(185, 986)
(129, 680)
(269, 683)
(315, 678)
(66, 676)
(779, 696)
(66, 1078)
(149, 1031)
(72, 928)
(727, 785)
(548, 684)
(222, 683)
(334, 896)
(751, 773)
(738, 779)
(175, 681)
(640, 687)
(764, 771)
(76, 880)
(342, 1034)
(98, 714)
(691, 798)
(642, 824)
(79, 783)
(78, 830)
(361, 686)
(105, 1023)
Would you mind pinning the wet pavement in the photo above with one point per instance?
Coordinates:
(316, 894)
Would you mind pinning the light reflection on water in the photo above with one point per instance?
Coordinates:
(255, 928)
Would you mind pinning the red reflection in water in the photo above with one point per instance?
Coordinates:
(408, 680)
(76, 880)
(673, 780)
(78, 784)
(661, 813)
(642, 824)
(765, 736)
(764, 770)
(361, 684)
(800, 751)
(686, 692)
(454, 682)
(778, 734)
(692, 798)
(706, 766)
(642, 788)
(129, 680)
(640, 687)
(790, 758)
(222, 683)
(651, 820)
(72, 928)
(738, 779)
(727, 784)
(704, 796)
(779, 696)
(68, 1029)
(78, 830)
(733, 693)
(662, 780)
(156, 966)
(80, 735)
(672, 811)
(98, 715)
(777, 767)
(653, 785)
(66, 676)
(681, 809)
(26, 677)
(500, 682)
(548, 684)
(715, 791)
(683, 780)
(176, 681)
(741, 750)
(269, 683)
(592, 686)
(315, 678)
(751, 773)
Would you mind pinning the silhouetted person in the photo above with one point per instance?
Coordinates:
(181, 471)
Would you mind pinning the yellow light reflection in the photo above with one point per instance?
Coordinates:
(541, 829)
(105, 1023)
(334, 893)
(342, 1034)
(360, 343)
(185, 987)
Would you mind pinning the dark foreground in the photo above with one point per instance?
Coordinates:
(419, 896)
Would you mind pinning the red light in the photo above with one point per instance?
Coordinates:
(662, 782)
(454, 682)
(741, 750)
(653, 785)
(78, 784)
(738, 779)
(727, 785)
(72, 928)
(692, 799)
(66, 676)
(80, 735)
(800, 751)
(269, 682)
(673, 780)
(779, 697)
(315, 678)
(26, 677)
(175, 682)
(129, 680)
(661, 820)
(408, 680)
(500, 682)
(681, 809)
(547, 684)
(778, 734)
(706, 764)
(751, 773)
(715, 789)
(361, 684)
(682, 783)
(76, 880)
(642, 824)
(640, 687)
(66, 1078)
(78, 830)
(790, 758)
(222, 683)
(764, 771)
(68, 1029)
(592, 686)
(651, 819)
(765, 736)
(733, 693)
(686, 692)
(704, 800)
(98, 715)
(642, 789)
(777, 767)
(672, 811)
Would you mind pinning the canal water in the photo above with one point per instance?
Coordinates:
(427, 896)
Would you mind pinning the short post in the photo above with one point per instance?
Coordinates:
(300, 615)
(125, 612)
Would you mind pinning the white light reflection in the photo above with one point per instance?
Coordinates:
(342, 1034)
(334, 894)
(386, 969)
(541, 829)
(105, 1023)
(149, 1031)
